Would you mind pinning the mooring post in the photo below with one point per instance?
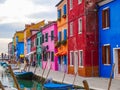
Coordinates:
(86, 86)
(112, 71)
(14, 78)
(1, 86)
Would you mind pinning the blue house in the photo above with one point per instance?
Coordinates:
(109, 34)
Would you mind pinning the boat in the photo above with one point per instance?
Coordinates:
(57, 86)
(24, 75)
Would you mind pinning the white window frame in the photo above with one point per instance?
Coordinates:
(71, 4)
(81, 59)
(79, 1)
(79, 25)
(71, 28)
(71, 52)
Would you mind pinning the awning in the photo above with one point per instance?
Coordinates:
(21, 55)
(30, 53)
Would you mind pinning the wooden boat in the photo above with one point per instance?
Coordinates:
(57, 86)
(24, 75)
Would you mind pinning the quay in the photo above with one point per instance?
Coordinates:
(95, 83)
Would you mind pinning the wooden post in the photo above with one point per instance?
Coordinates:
(35, 68)
(14, 78)
(109, 84)
(86, 86)
(43, 71)
(48, 73)
(1, 86)
(63, 77)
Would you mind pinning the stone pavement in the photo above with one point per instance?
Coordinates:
(94, 82)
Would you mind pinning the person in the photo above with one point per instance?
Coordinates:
(26, 63)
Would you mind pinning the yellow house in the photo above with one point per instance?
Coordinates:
(20, 35)
(27, 32)
(62, 35)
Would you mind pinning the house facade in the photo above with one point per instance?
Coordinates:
(82, 38)
(39, 48)
(61, 44)
(27, 33)
(19, 44)
(49, 34)
(109, 43)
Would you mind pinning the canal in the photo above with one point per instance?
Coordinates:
(7, 81)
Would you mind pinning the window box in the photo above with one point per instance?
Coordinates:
(57, 44)
(64, 42)
(64, 16)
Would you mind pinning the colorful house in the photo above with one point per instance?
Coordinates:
(10, 54)
(33, 47)
(27, 33)
(82, 37)
(61, 44)
(49, 35)
(39, 48)
(109, 33)
(19, 44)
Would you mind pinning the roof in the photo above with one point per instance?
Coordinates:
(59, 3)
(103, 2)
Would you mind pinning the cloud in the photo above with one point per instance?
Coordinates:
(2, 1)
(7, 30)
(4, 44)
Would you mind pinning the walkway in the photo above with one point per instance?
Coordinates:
(94, 82)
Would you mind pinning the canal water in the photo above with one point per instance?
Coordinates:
(7, 80)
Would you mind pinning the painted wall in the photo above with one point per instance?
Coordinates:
(109, 36)
(85, 41)
(27, 32)
(39, 48)
(63, 28)
(47, 29)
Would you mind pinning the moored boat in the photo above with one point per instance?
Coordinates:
(24, 75)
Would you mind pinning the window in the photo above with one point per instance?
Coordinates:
(42, 38)
(105, 18)
(37, 41)
(71, 4)
(64, 9)
(71, 58)
(106, 54)
(71, 29)
(52, 56)
(46, 37)
(80, 25)
(60, 36)
(52, 35)
(65, 34)
(79, 1)
(59, 14)
(80, 58)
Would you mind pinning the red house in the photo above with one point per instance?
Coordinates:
(82, 38)
(33, 39)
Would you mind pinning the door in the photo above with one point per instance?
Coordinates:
(75, 61)
(118, 61)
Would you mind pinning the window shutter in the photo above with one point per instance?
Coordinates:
(65, 60)
(103, 19)
(64, 9)
(59, 13)
(59, 61)
(108, 17)
(109, 54)
(103, 55)
(59, 36)
(65, 34)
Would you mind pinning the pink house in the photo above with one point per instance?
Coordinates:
(49, 36)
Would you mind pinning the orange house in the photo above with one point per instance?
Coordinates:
(61, 43)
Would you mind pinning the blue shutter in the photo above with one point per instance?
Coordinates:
(59, 13)
(65, 34)
(59, 61)
(59, 36)
(64, 9)
(65, 60)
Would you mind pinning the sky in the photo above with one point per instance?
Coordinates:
(14, 14)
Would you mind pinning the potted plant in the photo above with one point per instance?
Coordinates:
(58, 44)
(63, 42)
